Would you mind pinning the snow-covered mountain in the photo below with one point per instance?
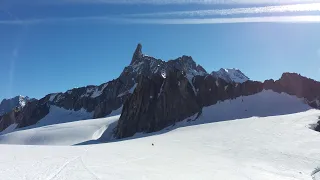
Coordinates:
(231, 75)
(7, 105)
(154, 94)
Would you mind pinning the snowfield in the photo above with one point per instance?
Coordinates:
(62, 127)
(266, 136)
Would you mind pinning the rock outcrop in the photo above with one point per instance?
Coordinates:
(212, 89)
(297, 85)
(317, 128)
(156, 103)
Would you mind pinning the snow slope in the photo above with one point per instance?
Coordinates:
(61, 127)
(61, 134)
(255, 146)
(56, 115)
(278, 147)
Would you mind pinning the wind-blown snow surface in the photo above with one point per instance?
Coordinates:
(263, 147)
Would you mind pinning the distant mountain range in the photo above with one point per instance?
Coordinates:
(153, 94)
(8, 105)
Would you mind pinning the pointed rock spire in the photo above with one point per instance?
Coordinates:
(137, 54)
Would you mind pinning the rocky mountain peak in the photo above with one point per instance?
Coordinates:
(142, 64)
(137, 54)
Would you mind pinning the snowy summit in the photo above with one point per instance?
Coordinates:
(231, 75)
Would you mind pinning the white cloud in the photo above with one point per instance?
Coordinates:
(59, 20)
(312, 7)
(267, 19)
(165, 1)
(195, 1)
(195, 17)
(101, 19)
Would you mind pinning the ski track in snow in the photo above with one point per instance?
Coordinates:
(87, 168)
(73, 160)
(61, 168)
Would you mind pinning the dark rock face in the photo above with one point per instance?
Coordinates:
(101, 100)
(156, 103)
(318, 127)
(33, 112)
(210, 89)
(137, 55)
(297, 85)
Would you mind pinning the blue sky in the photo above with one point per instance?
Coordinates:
(50, 47)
